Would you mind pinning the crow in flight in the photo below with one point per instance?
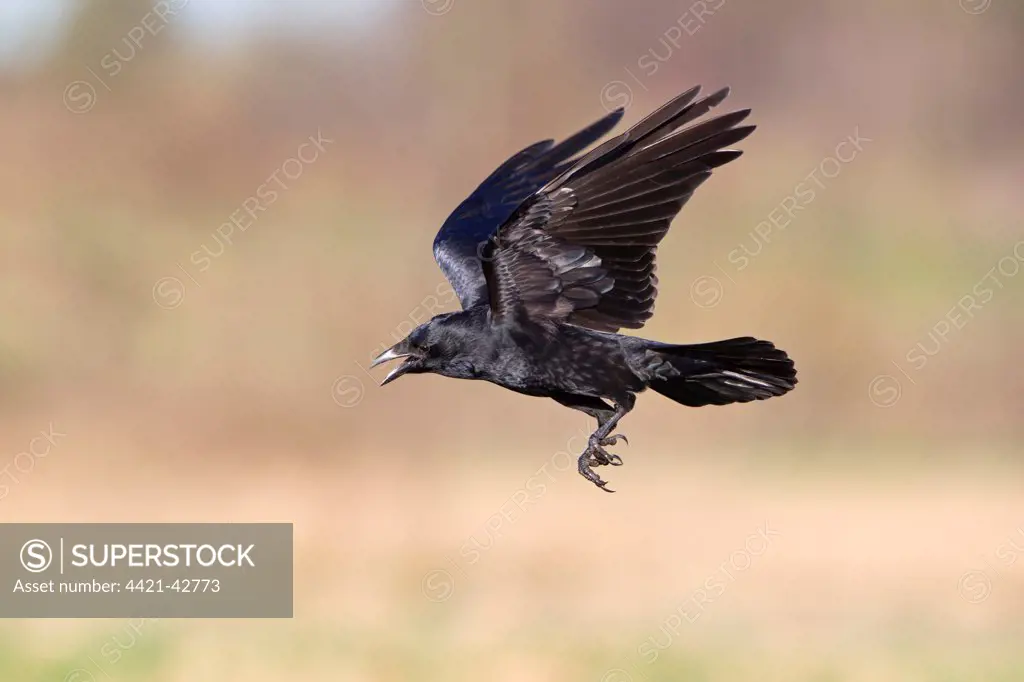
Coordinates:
(554, 253)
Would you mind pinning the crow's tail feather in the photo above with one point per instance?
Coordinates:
(733, 371)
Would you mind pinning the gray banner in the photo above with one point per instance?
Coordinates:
(146, 570)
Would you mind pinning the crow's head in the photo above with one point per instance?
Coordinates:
(432, 347)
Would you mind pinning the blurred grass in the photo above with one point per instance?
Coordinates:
(204, 654)
(108, 649)
(859, 585)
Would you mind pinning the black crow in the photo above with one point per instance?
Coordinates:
(554, 253)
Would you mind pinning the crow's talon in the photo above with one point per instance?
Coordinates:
(595, 456)
(612, 440)
(584, 463)
(601, 457)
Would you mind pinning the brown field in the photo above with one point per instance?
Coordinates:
(449, 571)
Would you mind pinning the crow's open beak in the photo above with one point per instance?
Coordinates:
(396, 352)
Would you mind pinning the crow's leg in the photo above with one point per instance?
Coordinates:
(599, 410)
(603, 413)
(595, 454)
(594, 407)
(607, 418)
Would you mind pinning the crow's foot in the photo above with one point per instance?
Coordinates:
(583, 465)
(600, 456)
(595, 456)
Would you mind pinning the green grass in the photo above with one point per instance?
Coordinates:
(209, 652)
(111, 651)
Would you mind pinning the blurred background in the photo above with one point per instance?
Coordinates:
(214, 213)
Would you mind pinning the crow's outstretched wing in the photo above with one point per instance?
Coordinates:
(581, 250)
(459, 244)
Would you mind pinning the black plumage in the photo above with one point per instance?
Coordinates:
(555, 252)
